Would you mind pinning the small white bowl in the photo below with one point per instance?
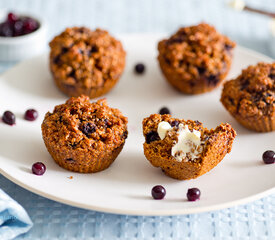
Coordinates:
(25, 46)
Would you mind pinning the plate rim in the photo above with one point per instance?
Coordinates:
(182, 211)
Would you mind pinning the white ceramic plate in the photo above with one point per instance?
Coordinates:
(125, 187)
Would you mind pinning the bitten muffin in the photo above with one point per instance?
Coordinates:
(84, 137)
(185, 149)
(250, 98)
(195, 59)
(86, 62)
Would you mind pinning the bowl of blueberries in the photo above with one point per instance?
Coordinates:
(21, 36)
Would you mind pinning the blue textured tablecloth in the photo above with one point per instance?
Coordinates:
(54, 220)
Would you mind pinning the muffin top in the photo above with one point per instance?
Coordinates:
(197, 50)
(253, 92)
(79, 124)
(86, 58)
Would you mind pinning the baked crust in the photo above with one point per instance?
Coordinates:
(195, 59)
(86, 62)
(250, 98)
(83, 136)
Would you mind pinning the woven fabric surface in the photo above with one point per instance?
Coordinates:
(54, 220)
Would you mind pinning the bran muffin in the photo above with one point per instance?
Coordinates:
(86, 62)
(195, 59)
(82, 136)
(184, 149)
(250, 98)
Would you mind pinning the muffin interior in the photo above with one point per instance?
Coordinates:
(184, 141)
(185, 149)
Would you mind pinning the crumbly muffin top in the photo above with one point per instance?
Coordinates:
(79, 124)
(198, 50)
(89, 58)
(253, 92)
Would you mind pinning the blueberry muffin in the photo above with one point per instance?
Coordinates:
(250, 98)
(86, 62)
(84, 137)
(185, 149)
(195, 59)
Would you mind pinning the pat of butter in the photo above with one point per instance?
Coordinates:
(187, 143)
(237, 4)
(163, 128)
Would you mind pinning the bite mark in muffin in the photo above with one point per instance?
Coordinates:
(185, 150)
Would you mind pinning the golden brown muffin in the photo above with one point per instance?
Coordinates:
(84, 137)
(250, 98)
(195, 59)
(185, 149)
(86, 62)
